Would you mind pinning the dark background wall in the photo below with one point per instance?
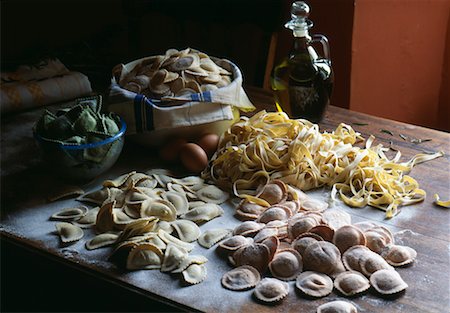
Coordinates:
(88, 36)
(390, 57)
(93, 36)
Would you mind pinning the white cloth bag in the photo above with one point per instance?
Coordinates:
(181, 116)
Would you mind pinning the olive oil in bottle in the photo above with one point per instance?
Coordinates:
(302, 83)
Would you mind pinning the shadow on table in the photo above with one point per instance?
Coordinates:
(33, 283)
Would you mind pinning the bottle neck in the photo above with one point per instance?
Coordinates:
(301, 32)
(302, 44)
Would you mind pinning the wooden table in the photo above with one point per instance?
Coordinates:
(424, 226)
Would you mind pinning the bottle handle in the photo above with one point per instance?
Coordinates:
(325, 45)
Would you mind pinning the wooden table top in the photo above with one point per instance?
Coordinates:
(26, 184)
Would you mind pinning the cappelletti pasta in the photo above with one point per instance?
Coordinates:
(270, 145)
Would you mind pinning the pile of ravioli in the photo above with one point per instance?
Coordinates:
(173, 74)
(289, 237)
(151, 220)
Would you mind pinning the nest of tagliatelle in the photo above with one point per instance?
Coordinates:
(270, 145)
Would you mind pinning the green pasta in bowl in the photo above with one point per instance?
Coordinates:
(80, 142)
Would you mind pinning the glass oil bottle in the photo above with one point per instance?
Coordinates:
(302, 83)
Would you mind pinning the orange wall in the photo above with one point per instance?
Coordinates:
(400, 52)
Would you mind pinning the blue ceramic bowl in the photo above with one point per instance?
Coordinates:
(82, 161)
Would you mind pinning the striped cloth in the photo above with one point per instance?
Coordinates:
(50, 82)
(146, 115)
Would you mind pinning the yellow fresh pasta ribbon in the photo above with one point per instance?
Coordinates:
(271, 146)
(438, 201)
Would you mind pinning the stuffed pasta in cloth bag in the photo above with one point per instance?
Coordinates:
(181, 93)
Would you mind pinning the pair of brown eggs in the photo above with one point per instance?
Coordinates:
(193, 155)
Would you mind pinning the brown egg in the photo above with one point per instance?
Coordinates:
(209, 143)
(193, 157)
(171, 150)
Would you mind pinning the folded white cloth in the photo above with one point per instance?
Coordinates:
(48, 82)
